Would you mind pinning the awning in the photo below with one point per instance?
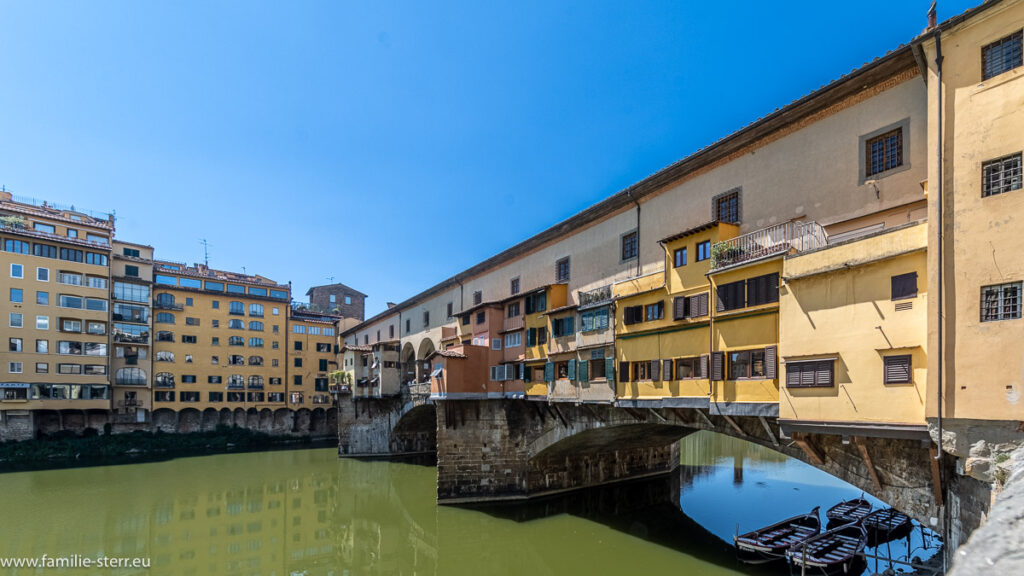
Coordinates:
(436, 373)
(14, 385)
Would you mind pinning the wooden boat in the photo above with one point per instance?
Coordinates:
(848, 511)
(886, 525)
(837, 551)
(771, 542)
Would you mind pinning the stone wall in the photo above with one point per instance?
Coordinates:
(320, 424)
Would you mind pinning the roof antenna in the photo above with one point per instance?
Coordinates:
(206, 251)
(331, 278)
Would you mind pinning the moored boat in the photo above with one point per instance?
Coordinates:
(886, 525)
(836, 551)
(848, 511)
(771, 542)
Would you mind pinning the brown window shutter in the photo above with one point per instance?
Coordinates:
(770, 362)
(897, 369)
(624, 371)
(718, 365)
(679, 308)
(703, 366)
(720, 295)
(793, 375)
(824, 373)
(667, 369)
(655, 370)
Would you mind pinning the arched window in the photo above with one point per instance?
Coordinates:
(256, 310)
(256, 382)
(255, 360)
(236, 308)
(164, 336)
(130, 377)
(236, 360)
(165, 300)
(236, 324)
(236, 341)
(164, 356)
(164, 380)
(256, 325)
(256, 342)
(236, 381)
(164, 318)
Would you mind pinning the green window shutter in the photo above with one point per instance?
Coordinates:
(531, 337)
(603, 317)
(571, 323)
(624, 371)
(583, 371)
(609, 370)
(549, 372)
(527, 374)
(572, 370)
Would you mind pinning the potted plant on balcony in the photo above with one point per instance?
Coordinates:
(12, 221)
(342, 382)
(723, 254)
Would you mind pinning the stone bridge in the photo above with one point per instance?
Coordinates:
(492, 450)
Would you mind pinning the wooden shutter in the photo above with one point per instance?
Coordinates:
(609, 370)
(703, 366)
(679, 307)
(624, 371)
(823, 373)
(531, 337)
(667, 370)
(582, 371)
(528, 374)
(897, 369)
(549, 372)
(572, 370)
(771, 354)
(655, 370)
(702, 301)
(542, 335)
(529, 304)
(718, 365)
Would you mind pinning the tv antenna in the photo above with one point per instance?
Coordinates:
(331, 278)
(206, 251)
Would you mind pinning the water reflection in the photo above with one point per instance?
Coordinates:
(306, 512)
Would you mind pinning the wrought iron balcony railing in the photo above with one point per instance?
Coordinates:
(774, 240)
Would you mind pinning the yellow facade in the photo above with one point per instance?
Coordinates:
(311, 359)
(131, 320)
(838, 306)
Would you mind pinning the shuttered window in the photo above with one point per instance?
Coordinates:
(718, 365)
(810, 374)
(904, 286)
(624, 371)
(654, 311)
(699, 305)
(582, 371)
(762, 289)
(680, 307)
(666, 370)
(690, 368)
(609, 370)
(897, 369)
(633, 314)
(751, 364)
(655, 370)
(690, 306)
(730, 296)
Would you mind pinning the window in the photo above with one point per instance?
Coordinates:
(186, 339)
(563, 326)
(333, 299)
(17, 295)
(96, 282)
(481, 317)
(897, 369)
(478, 297)
(703, 250)
(809, 374)
(726, 207)
(131, 292)
(14, 367)
(297, 380)
(679, 257)
(14, 345)
(236, 341)
(562, 270)
(426, 318)
(16, 246)
(216, 396)
(323, 348)
(164, 318)
(630, 245)
(594, 320)
(298, 362)
(164, 356)
(255, 360)
(43, 274)
(69, 368)
(164, 396)
(69, 278)
(730, 296)
(256, 382)
(66, 301)
(752, 364)
(1002, 55)
(256, 310)
(130, 377)
(164, 336)
(691, 368)
(275, 311)
(17, 271)
(132, 271)
(495, 343)
(96, 304)
(164, 380)
(42, 368)
(513, 339)
(763, 289)
(44, 250)
(15, 320)
(192, 321)
(96, 328)
(42, 346)
(1000, 302)
(884, 152)
(448, 310)
(256, 325)
(71, 326)
(690, 306)
(43, 298)
(256, 342)
(215, 304)
(654, 311)
(236, 381)
(236, 360)
(513, 287)
(133, 252)
(236, 324)
(72, 233)
(904, 286)
(213, 379)
(1001, 175)
(298, 329)
(66, 347)
(97, 238)
(236, 308)
(47, 228)
(42, 322)
(513, 310)
(72, 255)
(632, 315)
(298, 345)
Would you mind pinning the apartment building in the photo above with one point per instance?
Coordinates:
(219, 339)
(54, 282)
(312, 357)
(337, 299)
(131, 329)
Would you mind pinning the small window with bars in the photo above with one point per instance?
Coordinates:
(884, 152)
(897, 369)
(630, 245)
(1000, 302)
(1002, 55)
(1001, 175)
(726, 207)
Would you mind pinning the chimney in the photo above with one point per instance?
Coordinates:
(932, 16)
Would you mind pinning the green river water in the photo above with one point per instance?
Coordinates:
(306, 512)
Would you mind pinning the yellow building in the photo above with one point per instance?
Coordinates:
(54, 281)
(311, 358)
(131, 327)
(219, 339)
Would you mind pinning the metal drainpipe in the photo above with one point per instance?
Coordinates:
(938, 192)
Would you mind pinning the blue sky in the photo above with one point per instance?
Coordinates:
(307, 139)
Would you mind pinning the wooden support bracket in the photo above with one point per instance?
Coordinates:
(705, 418)
(933, 451)
(561, 416)
(812, 452)
(768, 429)
(734, 425)
(863, 448)
(594, 413)
(638, 416)
(659, 416)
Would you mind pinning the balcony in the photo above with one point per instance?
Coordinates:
(772, 241)
(158, 305)
(595, 297)
(449, 333)
(513, 323)
(129, 339)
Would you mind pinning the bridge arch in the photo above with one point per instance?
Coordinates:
(422, 364)
(415, 432)
(408, 362)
